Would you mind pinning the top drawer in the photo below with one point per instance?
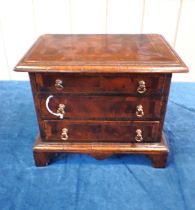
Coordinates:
(134, 84)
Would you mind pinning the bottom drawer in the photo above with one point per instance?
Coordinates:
(102, 131)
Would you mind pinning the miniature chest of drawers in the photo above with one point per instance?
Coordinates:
(101, 94)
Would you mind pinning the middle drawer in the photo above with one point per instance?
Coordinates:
(100, 107)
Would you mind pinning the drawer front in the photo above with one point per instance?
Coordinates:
(101, 107)
(105, 131)
(135, 84)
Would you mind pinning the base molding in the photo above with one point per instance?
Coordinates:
(157, 152)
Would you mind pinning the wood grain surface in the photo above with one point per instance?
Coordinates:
(102, 53)
(100, 79)
(101, 83)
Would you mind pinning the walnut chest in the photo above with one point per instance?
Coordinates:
(101, 94)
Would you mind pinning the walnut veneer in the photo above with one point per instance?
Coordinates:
(101, 94)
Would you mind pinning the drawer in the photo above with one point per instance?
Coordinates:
(100, 107)
(135, 84)
(102, 131)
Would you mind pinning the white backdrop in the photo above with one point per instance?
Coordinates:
(22, 21)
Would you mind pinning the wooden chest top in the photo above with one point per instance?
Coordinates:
(102, 53)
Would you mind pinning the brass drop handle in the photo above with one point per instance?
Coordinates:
(59, 84)
(64, 135)
(139, 111)
(60, 111)
(138, 136)
(141, 87)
